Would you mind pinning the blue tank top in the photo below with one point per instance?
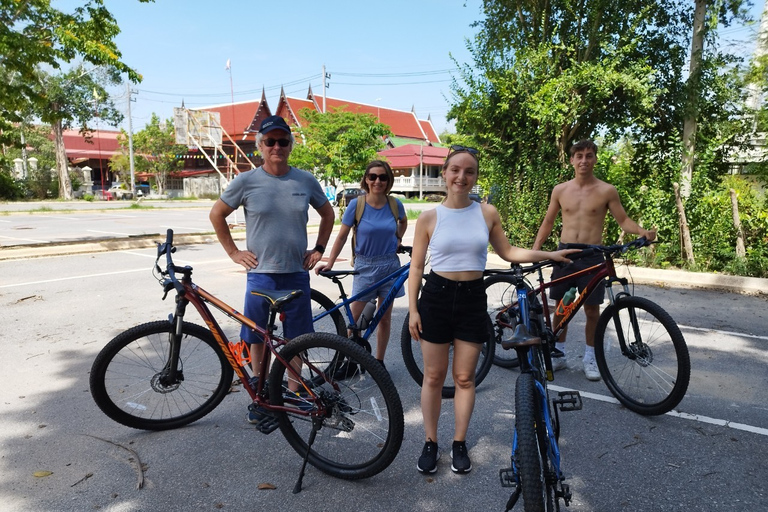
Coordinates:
(460, 239)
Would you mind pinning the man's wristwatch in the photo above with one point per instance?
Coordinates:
(319, 248)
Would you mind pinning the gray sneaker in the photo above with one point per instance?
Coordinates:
(591, 370)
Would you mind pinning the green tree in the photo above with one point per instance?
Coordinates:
(39, 182)
(78, 97)
(337, 145)
(33, 34)
(548, 72)
(156, 149)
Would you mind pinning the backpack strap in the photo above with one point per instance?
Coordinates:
(359, 209)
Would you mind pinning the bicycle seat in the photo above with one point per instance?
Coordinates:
(521, 338)
(278, 298)
(337, 273)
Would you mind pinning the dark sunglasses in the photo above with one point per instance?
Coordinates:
(283, 143)
(472, 151)
(381, 177)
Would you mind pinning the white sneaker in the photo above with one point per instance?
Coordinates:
(559, 362)
(591, 371)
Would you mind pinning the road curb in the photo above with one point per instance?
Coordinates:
(105, 245)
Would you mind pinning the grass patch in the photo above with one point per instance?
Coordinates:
(139, 206)
(412, 214)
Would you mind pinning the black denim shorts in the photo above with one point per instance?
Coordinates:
(453, 310)
(580, 282)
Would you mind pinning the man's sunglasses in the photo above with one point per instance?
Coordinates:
(373, 177)
(456, 148)
(283, 143)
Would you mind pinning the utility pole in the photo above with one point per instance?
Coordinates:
(130, 139)
(325, 85)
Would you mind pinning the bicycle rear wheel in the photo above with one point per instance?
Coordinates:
(531, 453)
(501, 293)
(129, 377)
(415, 364)
(642, 356)
(361, 430)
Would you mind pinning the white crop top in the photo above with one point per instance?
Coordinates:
(460, 239)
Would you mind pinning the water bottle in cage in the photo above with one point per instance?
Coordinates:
(367, 314)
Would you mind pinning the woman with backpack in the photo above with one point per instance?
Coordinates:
(378, 223)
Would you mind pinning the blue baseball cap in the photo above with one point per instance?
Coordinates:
(274, 123)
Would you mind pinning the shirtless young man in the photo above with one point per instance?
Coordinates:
(584, 203)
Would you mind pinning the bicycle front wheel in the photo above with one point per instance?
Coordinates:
(501, 293)
(642, 356)
(415, 363)
(361, 429)
(334, 322)
(129, 378)
(531, 453)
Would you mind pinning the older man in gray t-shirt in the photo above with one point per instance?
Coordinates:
(276, 198)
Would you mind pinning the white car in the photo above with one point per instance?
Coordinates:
(120, 193)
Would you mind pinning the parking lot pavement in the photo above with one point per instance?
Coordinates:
(59, 452)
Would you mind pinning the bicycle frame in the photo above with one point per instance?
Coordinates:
(400, 276)
(188, 292)
(604, 272)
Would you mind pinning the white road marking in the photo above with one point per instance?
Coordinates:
(731, 333)
(676, 414)
(25, 239)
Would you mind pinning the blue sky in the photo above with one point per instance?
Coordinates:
(395, 54)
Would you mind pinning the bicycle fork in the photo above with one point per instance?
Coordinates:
(173, 373)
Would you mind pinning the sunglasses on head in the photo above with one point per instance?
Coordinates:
(381, 177)
(283, 143)
(456, 148)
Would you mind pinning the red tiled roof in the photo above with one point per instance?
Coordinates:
(410, 155)
(402, 124)
(238, 119)
(289, 108)
(101, 144)
(429, 130)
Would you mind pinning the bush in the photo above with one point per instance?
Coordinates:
(10, 189)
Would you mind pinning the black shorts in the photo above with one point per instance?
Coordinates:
(453, 310)
(558, 290)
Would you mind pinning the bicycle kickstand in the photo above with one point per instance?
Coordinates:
(315, 427)
(513, 498)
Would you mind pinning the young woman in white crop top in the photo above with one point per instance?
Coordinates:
(452, 306)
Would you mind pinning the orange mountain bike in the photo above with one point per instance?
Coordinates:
(166, 374)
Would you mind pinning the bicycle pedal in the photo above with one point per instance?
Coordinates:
(267, 425)
(565, 493)
(568, 401)
(507, 477)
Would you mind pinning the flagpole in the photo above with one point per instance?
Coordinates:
(232, 105)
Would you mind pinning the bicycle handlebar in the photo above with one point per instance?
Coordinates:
(588, 250)
(168, 249)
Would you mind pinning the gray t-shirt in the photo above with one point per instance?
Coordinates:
(276, 215)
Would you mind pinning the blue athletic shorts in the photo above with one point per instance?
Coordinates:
(453, 310)
(373, 269)
(580, 282)
(298, 312)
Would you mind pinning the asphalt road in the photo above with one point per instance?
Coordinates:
(59, 312)
(44, 223)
